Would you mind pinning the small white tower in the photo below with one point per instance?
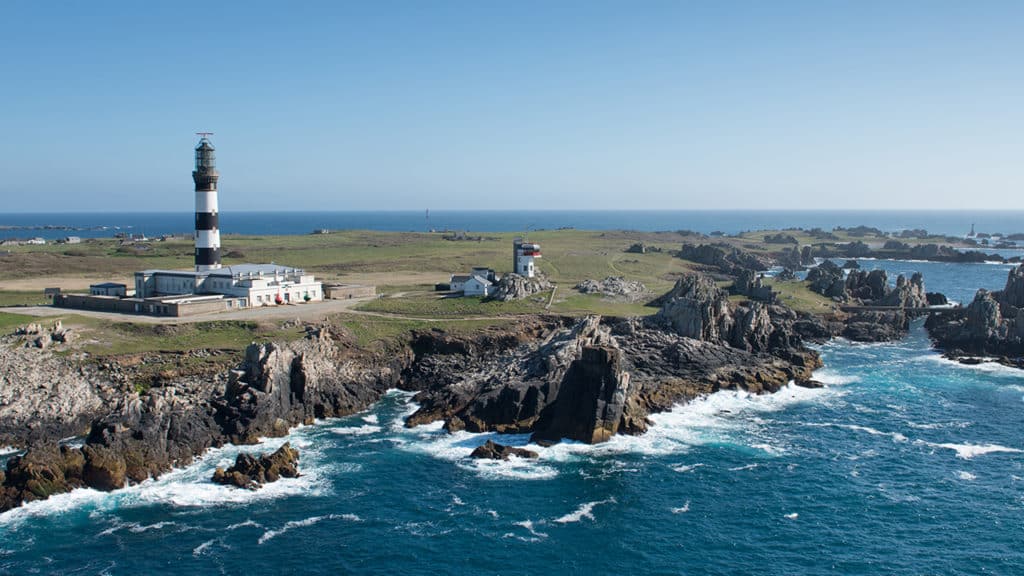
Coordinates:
(523, 255)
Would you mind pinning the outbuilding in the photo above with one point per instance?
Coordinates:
(108, 289)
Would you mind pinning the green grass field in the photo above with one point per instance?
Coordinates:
(399, 263)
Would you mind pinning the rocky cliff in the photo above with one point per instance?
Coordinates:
(991, 325)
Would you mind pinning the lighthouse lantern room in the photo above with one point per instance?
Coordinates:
(524, 254)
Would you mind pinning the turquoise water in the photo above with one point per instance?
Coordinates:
(904, 464)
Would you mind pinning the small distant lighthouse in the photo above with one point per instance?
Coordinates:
(207, 227)
(523, 255)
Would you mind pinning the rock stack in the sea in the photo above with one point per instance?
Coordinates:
(992, 325)
(253, 472)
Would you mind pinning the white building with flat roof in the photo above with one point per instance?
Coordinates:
(258, 284)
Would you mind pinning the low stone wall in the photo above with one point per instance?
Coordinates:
(149, 306)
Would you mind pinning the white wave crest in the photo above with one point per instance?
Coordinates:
(585, 510)
(896, 436)
(961, 474)
(741, 468)
(271, 534)
(833, 377)
(968, 451)
(682, 509)
(687, 467)
(529, 526)
(356, 430)
(249, 522)
(202, 548)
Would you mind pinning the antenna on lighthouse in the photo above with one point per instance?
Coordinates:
(204, 134)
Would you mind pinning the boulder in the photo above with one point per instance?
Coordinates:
(493, 451)
(252, 472)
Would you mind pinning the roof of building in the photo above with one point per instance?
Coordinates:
(461, 278)
(192, 273)
(482, 280)
(107, 285)
(256, 269)
(243, 269)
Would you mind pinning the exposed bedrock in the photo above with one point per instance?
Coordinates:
(279, 386)
(991, 325)
(275, 388)
(600, 376)
(44, 398)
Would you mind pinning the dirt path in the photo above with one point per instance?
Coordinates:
(305, 312)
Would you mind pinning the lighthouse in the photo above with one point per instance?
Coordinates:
(207, 227)
(523, 255)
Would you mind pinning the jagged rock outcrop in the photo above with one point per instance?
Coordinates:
(1013, 293)
(869, 287)
(751, 284)
(491, 450)
(144, 435)
(515, 287)
(568, 384)
(991, 325)
(728, 259)
(615, 287)
(828, 280)
(907, 294)
(252, 472)
(279, 386)
(697, 308)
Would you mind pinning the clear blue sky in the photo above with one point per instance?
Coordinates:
(517, 104)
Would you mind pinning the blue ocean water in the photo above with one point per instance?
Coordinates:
(904, 463)
(101, 224)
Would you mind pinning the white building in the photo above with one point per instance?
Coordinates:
(480, 282)
(257, 284)
(523, 256)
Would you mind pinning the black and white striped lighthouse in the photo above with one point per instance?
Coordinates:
(207, 226)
